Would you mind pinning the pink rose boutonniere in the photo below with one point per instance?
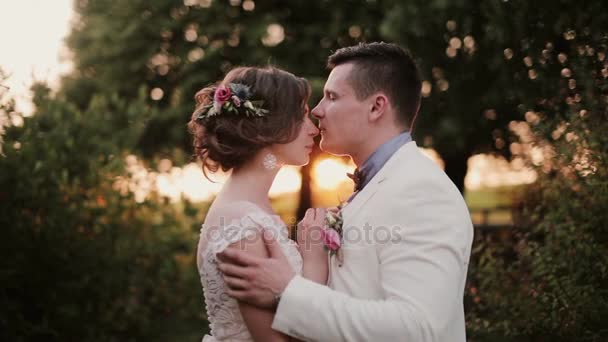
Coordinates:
(331, 239)
(332, 235)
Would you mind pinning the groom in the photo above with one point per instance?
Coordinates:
(407, 232)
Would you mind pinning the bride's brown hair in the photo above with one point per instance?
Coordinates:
(229, 141)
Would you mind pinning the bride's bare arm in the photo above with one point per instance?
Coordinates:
(316, 271)
(258, 320)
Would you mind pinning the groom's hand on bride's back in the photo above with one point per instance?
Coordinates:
(253, 279)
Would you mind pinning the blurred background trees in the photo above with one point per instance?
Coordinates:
(84, 257)
(547, 281)
(81, 259)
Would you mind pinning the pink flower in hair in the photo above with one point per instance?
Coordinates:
(222, 94)
(236, 100)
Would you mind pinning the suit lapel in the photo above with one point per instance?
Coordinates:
(362, 197)
(354, 207)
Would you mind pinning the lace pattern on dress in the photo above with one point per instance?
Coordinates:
(225, 319)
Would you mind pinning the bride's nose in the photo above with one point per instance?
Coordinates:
(313, 130)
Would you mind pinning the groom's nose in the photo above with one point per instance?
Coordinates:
(317, 112)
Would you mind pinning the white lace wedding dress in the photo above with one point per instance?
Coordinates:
(223, 227)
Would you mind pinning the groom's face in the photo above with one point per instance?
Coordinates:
(342, 117)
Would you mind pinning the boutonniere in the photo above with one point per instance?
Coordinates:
(332, 235)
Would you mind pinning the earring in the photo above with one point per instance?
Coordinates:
(270, 161)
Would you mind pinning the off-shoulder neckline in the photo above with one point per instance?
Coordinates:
(249, 202)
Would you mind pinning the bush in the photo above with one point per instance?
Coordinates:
(78, 259)
(548, 279)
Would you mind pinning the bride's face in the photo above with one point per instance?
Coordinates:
(297, 152)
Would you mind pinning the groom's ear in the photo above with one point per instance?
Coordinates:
(378, 106)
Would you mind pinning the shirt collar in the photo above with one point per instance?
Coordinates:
(379, 157)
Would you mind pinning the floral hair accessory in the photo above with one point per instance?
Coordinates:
(332, 235)
(233, 98)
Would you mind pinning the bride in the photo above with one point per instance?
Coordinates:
(252, 122)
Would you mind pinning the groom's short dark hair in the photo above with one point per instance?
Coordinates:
(383, 67)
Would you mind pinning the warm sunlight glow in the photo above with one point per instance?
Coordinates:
(288, 180)
(330, 172)
(487, 171)
(189, 182)
(32, 45)
(330, 184)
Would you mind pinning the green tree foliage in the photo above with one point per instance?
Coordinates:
(466, 50)
(81, 260)
(182, 46)
(471, 53)
(78, 259)
(549, 280)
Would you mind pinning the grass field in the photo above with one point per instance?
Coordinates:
(496, 202)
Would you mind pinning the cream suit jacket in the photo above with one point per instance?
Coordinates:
(407, 241)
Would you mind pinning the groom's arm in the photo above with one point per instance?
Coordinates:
(258, 320)
(422, 271)
(314, 312)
